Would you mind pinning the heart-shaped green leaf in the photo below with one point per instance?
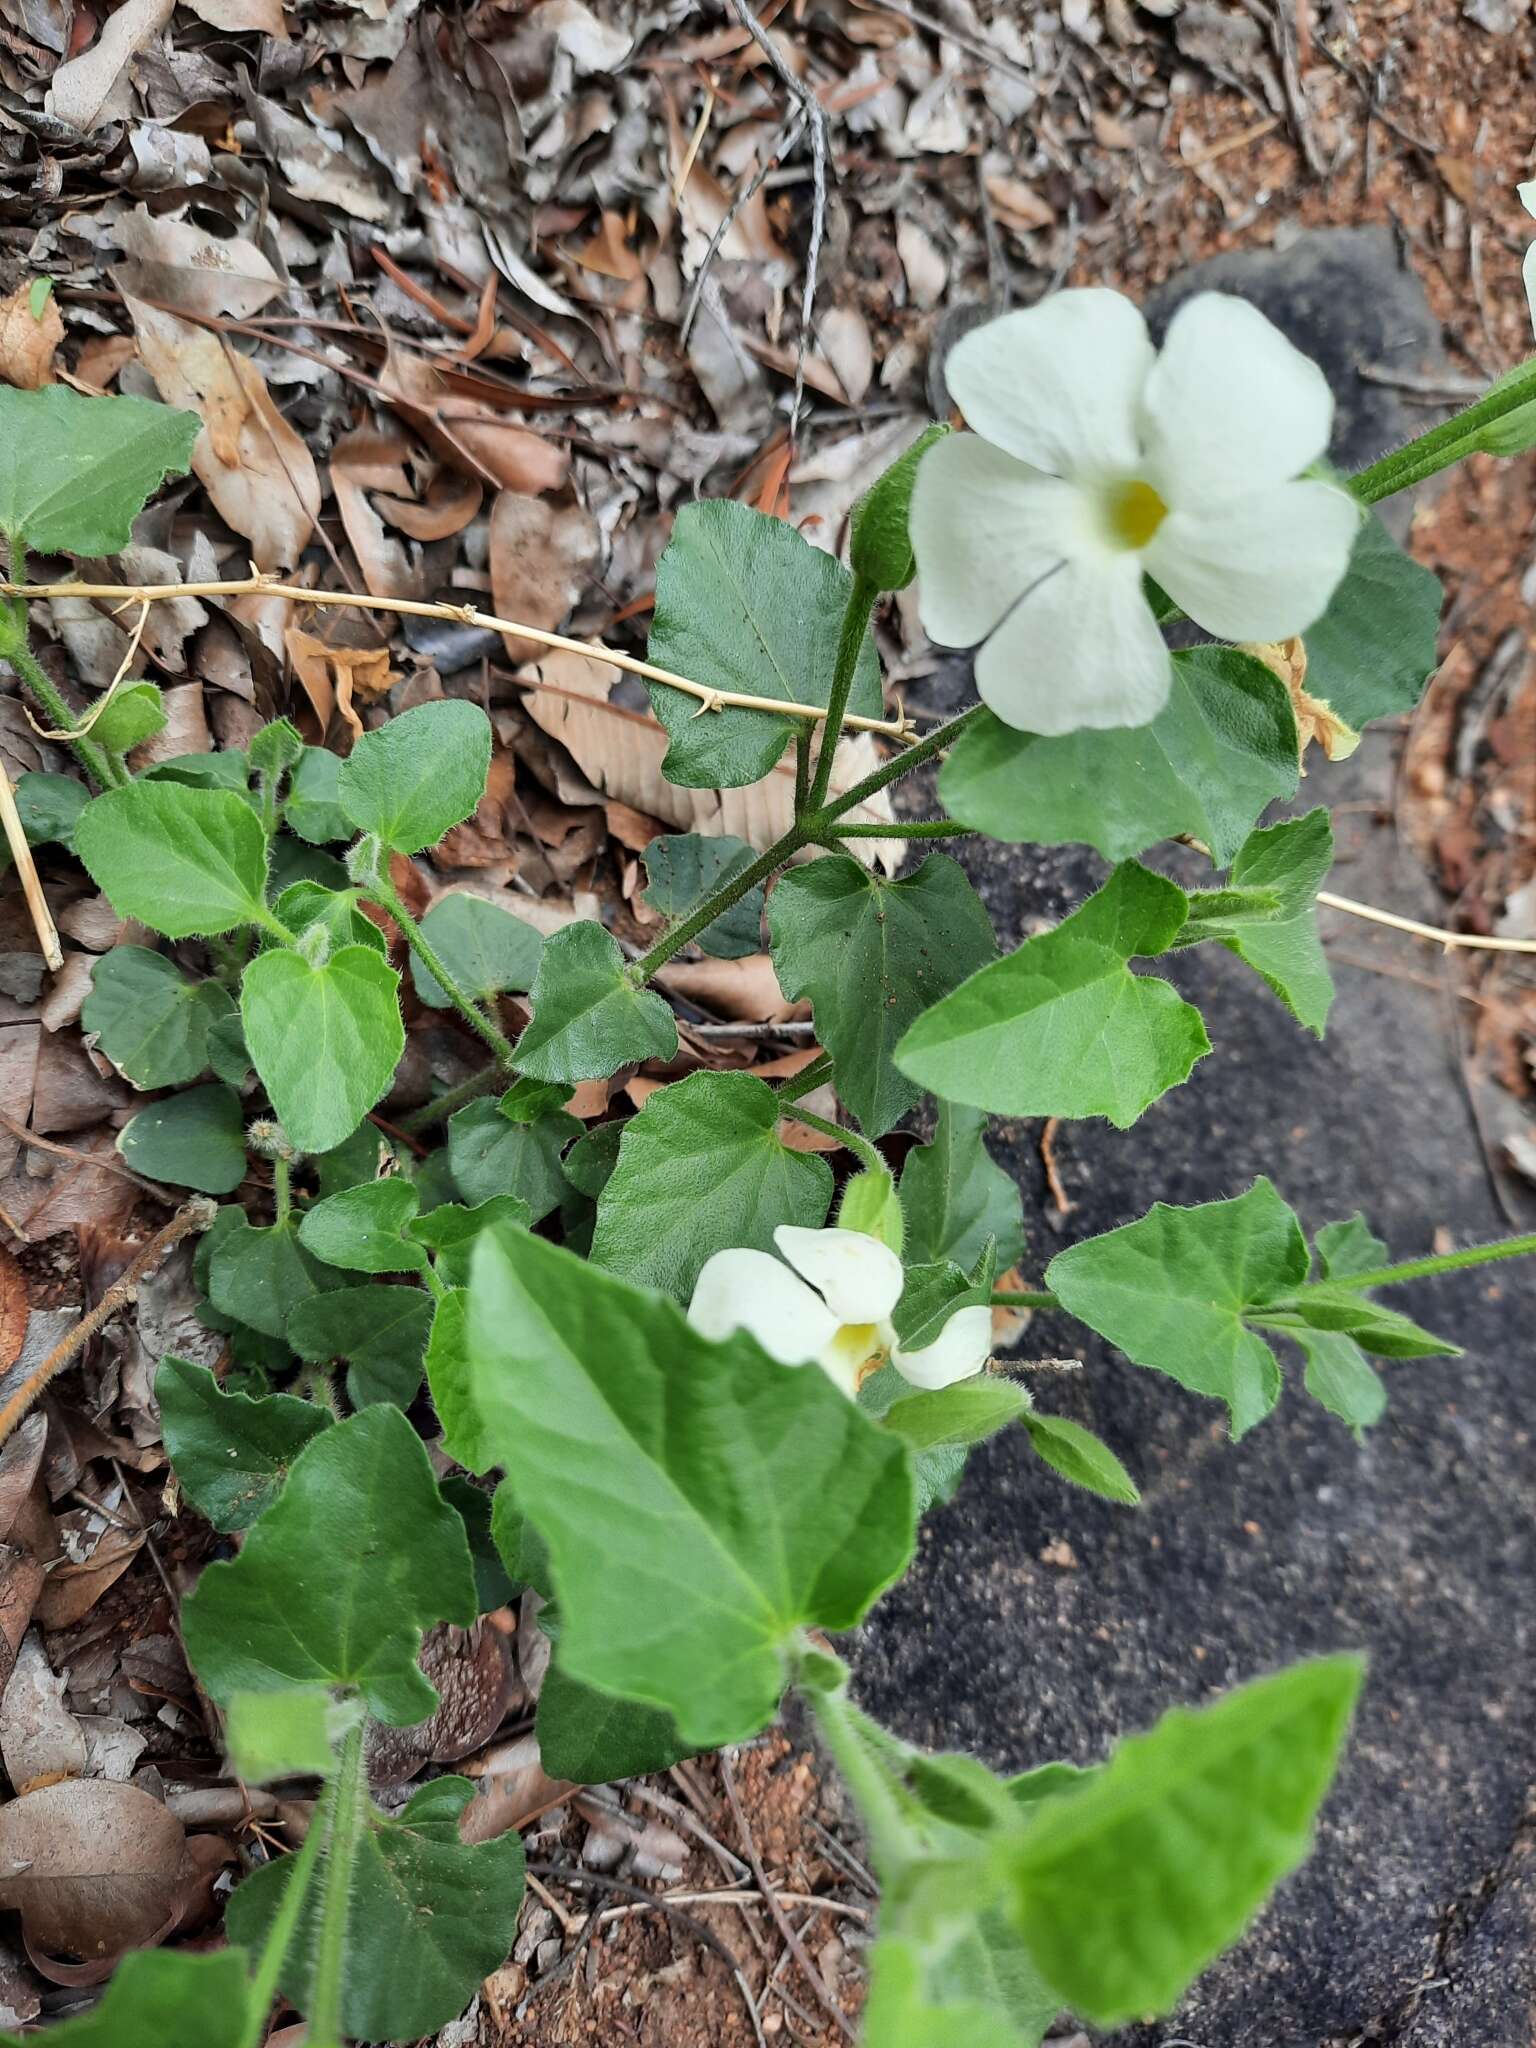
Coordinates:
(75, 472)
(485, 948)
(419, 775)
(311, 807)
(380, 1331)
(1062, 1027)
(589, 1018)
(685, 868)
(1222, 748)
(1374, 648)
(954, 1196)
(149, 1020)
(1173, 1290)
(325, 1040)
(872, 955)
(1288, 863)
(260, 1275)
(701, 1169)
(745, 603)
(324, 1593)
(230, 1453)
(492, 1155)
(427, 1917)
(361, 1229)
(701, 1504)
(193, 1140)
(187, 862)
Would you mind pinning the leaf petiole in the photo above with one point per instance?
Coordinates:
(347, 1819)
(861, 1148)
(1438, 1262)
(383, 891)
(269, 1965)
(861, 602)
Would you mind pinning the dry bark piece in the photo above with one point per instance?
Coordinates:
(93, 1868)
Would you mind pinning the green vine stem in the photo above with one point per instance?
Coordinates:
(884, 1803)
(1023, 1297)
(269, 1965)
(813, 827)
(348, 1796)
(40, 685)
(1437, 1262)
(1459, 436)
(902, 828)
(809, 1078)
(861, 602)
(282, 1189)
(443, 1106)
(378, 885)
(802, 770)
(861, 1148)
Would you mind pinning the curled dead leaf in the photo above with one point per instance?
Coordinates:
(92, 1867)
(258, 472)
(468, 432)
(476, 1685)
(1316, 718)
(30, 334)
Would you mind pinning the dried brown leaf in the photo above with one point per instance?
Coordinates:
(93, 87)
(191, 271)
(39, 1736)
(477, 1687)
(21, 1584)
(746, 990)
(620, 753)
(541, 558)
(15, 1309)
(28, 342)
(450, 504)
(92, 1867)
(468, 432)
(259, 474)
(388, 570)
(73, 1589)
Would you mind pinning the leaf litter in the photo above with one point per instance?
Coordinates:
(469, 309)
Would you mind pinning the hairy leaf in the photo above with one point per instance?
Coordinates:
(745, 603)
(687, 867)
(260, 1275)
(361, 1228)
(1374, 648)
(589, 1019)
(591, 1738)
(1062, 1027)
(186, 862)
(872, 955)
(954, 1197)
(1287, 862)
(75, 472)
(380, 1331)
(1222, 748)
(879, 545)
(1173, 1288)
(746, 1499)
(1124, 1889)
(419, 775)
(312, 807)
(428, 1916)
(149, 1020)
(485, 948)
(325, 1040)
(324, 1593)
(491, 1156)
(1077, 1454)
(701, 1169)
(231, 1454)
(192, 1140)
(160, 1998)
(450, 1230)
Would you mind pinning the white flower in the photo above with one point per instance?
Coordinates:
(1096, 460)
(841, 1320)
(1527, 194)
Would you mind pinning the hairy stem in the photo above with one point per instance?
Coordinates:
(384, 892)
(443, 1106)
(881, 1799)
(1453, 439)
(861, 602)
(347, 1799)
(40, 686)
(802, 770)
(1438, 1262)
(860, 1147)
(1023, 1297)
(807, 1080)
(925, 828)
(282, 1189)
(814, 826)
(269, 1965)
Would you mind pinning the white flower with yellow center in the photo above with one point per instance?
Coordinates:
(1096, 460)
(833, 1309)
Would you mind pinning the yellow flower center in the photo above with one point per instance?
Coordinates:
(858, 1344)
(1135, 512)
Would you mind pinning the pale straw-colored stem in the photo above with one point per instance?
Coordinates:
(1474, 941)
(900, 728)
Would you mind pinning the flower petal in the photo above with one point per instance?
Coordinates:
(1231, 404)
(1058, 385)
(1260, 568)
(859, 1278)
(747, 1290)
(1528, 267)
(1081, 650)
(958, 1352)
(984, 526)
